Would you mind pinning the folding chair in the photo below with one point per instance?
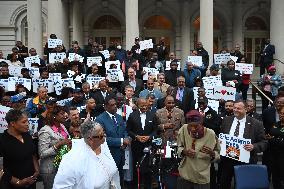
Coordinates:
(251, 177)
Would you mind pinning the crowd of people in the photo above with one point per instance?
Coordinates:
(106, 135)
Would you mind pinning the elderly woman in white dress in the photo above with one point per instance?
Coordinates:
(89, 164)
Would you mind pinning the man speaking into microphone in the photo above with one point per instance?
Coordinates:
(141, 128)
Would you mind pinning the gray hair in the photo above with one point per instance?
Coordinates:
(89, 128)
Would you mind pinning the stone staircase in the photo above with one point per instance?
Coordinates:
(258, 99)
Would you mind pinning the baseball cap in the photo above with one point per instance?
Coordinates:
(202, 100)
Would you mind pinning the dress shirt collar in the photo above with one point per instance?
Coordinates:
(110, 115)
(241, 120)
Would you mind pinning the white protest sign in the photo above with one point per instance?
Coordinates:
(75, 57)
(47, 83)
(233, 147)
(244, 68)
(217, 93)
(105, 53)
(12, 83)
(94, 81)
(32, 59)
(15, 70)
(34, 72)
(168, 65)
(94, 60)
(150, 72)
(80, 108)
(79, 78)
(33, 125)
(212, 81)
(109, 63)
(64, 101)
(114, 75)
(61, 83)
(221, 58)
(56, 57)
(70, 73)
(195, 60)
(25, 82)
(4, 84)
(234, 58)
(146, 44)
(52, 43)
(3, 124)
(54, 76)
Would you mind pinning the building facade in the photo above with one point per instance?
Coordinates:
(218, 24)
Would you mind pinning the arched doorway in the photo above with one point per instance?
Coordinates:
(256, 31)
(217, 43)
(158, 26)
(106, 30)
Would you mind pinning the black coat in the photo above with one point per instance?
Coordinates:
(212, 120)
(171, 77)
(269, 118)
(134, 127)
(100, 100)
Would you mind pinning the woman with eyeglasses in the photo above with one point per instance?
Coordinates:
(20, 163)
(89, 164)
(52, 137)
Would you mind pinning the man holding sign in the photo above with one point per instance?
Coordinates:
(245, 127)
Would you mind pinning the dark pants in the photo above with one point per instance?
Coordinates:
(213, 175)
(263, 67)
(244, 89)
(277, 171)
(145, 175)
(185, 184)
(227, 172)
(265, 102)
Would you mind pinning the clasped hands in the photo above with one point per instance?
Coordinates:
(191, 152)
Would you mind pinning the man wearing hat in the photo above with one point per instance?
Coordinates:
(19, 101)
(211, 121)
(78, 99)
(198, 147)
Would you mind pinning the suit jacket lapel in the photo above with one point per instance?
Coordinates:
(247, 128)
(230, 122)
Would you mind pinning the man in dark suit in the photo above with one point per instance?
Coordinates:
(101, 94)
(246, 127)
(266, 56)
(184, 95)
(116, 134)
(137, 84)
(141, 128)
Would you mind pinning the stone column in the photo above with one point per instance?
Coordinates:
(34, 18)
(276, 30)
(132, 25)
(238, 23)
(77, 22)
(58, 20)
(185, 32)
(206, 27)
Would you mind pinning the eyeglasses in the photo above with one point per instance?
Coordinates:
(99, 136)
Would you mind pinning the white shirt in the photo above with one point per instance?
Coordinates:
(104, 94)
(242, 127)
(143, 119)
(81, 168)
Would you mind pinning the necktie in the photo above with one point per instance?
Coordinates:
(237, 131)
(114, 121)
(128, 102)
(169, 115)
